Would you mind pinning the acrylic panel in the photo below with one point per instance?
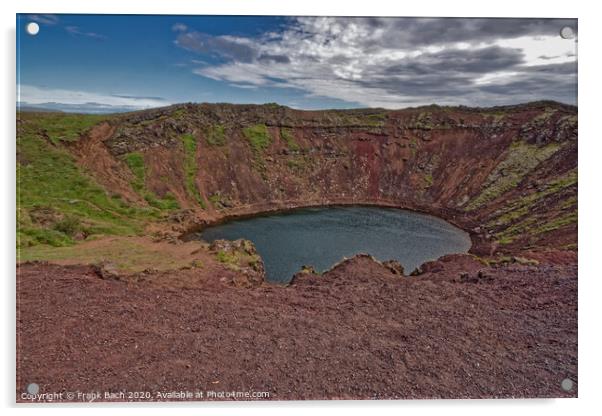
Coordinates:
(295, 208)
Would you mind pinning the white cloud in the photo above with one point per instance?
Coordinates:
(396, 62)
(543, 50)
(32, 95)
(47, 19)
(75, 30)
(494, 77)
(179, 27)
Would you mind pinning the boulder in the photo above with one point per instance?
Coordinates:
(240, 256)
(106, 270)
(394, 266)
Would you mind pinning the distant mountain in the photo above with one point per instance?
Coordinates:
(37, 109)
(89, 108)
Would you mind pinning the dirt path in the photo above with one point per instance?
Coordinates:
(357, 332)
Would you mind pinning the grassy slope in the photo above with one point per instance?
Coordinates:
(135, 162)
(521, 159)
(190, 168)
(57, 201)
(128, 254)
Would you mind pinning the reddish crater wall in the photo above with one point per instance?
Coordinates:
(506, 174)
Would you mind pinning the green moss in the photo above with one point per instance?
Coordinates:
(189, 144)
(423, 121)
(570, 218)
(215, 135)
(520, 159)
(296, 164)
(496, 115)
(562, 182)
(511, 233)
(69, 225)
(225, 257)
(29, 237)
(167, 203)
(510, 216)
(287, 135)
(237, 259)
(545, 115)
(375, 119)
(190, 168)
(178, 114)
(197, 264)
(272, 106)
(505, 239)
(534, 227)
(258, 137)
(135, 162)
(428, 180)
(231, 260)
(567, 121)
(63, 126)
(519, 208)
(345, 118)
(216, 200)
(569, 203)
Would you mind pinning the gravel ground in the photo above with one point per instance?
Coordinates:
(357, 332)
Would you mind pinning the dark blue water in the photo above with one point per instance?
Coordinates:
(321, 237)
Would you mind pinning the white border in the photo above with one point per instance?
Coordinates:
(590, 154)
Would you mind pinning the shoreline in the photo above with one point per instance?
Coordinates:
(457, 218)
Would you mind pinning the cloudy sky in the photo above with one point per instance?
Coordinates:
(116, 63)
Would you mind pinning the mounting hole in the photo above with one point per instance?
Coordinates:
(33, 388)
(567, 32)
(567, 384)
(32, 28)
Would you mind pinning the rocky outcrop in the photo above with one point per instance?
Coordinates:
(360, 264)
(241, 256)
(106, 270)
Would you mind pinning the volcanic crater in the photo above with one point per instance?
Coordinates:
(109, 312)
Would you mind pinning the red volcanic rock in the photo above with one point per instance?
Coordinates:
(394, 266)
(453, 263)
(553, 256)
(357, 332)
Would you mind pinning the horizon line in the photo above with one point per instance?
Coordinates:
(26, 107)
